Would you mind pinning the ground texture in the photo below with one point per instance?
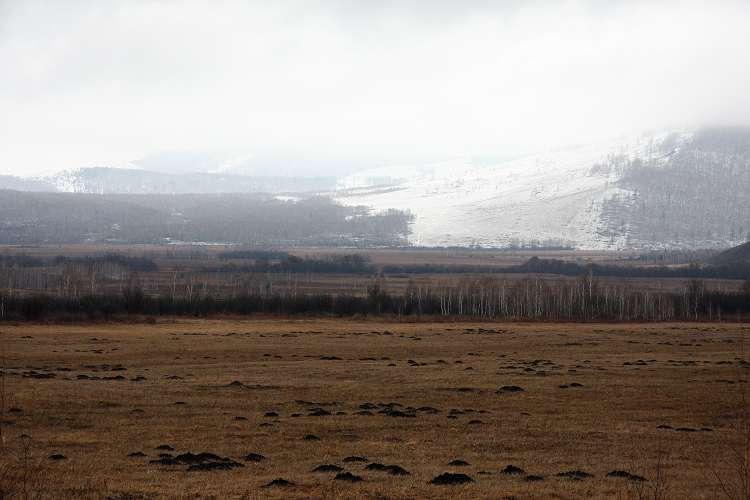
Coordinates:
(368, 409)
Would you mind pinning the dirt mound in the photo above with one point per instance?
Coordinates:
(203, 461)
(278, 482)
(626, 475)
(510, 389)
(449, 478)
(347, 476)
(512, 469)
(388, 412)
(328, 468)
(223, 464)
(394, 470)
(318, 412)
(575, 474)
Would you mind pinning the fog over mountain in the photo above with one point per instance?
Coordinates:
(330, 88)
(673, 189)
(595, 124)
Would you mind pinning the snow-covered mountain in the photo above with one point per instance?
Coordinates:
(103, 180)
(593, 196)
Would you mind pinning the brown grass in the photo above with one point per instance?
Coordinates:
(688, 377)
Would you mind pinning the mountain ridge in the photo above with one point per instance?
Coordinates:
(625, 193)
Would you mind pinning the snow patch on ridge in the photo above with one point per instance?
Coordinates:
(552, 196)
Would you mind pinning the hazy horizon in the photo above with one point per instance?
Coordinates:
(328, 88)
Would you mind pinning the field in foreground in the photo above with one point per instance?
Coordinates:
(657, 401)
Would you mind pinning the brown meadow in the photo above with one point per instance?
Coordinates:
(661, 402)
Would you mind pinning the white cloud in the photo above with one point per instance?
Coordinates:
(100, 83)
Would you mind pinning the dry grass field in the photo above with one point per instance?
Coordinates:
(659, 401)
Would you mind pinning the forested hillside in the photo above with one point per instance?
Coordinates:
(103, 180)
(696, 195)
(28, 218)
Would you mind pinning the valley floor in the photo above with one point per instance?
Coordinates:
(87, 409)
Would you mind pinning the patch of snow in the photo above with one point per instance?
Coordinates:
(551, 196)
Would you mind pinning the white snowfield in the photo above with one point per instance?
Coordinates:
(552, 196)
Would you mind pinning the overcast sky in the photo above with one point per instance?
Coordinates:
(339, 85)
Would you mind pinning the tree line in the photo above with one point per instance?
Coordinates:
(60, 218)
(583, 299)
(285, 263)
(535, 265)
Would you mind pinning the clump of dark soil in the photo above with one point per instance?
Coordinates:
(311, 437)
(347, 476)
(510, 389)
(394, 470)
(328, 468)
(318, 412)
(203, 461)
(390, 412)
(35, 374)
(575, 474)
(626, 475)
(223, 464)
(532, 478)
(278, 482)
(449, 478)
(136, 454)
(57, 457)
(458, 463)
(512, 469)
(254, 457)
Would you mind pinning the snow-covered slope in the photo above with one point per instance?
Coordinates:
(104, 180)
(556, 196)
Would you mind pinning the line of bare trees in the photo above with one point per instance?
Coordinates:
(584, 299)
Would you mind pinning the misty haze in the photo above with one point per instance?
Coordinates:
(355, 249)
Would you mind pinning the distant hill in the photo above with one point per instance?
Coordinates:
(734, 256)
(21, 184)
(104, 180)
(673, 189)
(34, 218)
